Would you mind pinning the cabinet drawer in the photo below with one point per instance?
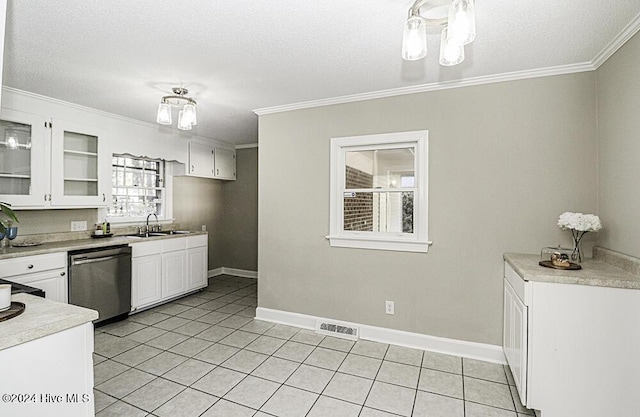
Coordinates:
(197, 241)
(174, 244)
(146, 248)
(32, 264)
(516, 281)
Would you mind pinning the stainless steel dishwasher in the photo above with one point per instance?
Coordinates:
(100, 279)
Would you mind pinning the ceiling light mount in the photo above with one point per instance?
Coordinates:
(457, 17)
(186, 117)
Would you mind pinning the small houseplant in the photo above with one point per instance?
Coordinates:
(7, 216)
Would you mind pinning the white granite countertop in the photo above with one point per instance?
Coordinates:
(41, 318)
(594, 272)
(69, 245)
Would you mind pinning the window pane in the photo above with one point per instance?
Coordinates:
(378, 212)
(383, 168)
(136, 187)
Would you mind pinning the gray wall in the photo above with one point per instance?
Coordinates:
(505, 160)
(239, 248)
(619, 149)
(229, 209)
(198, 201)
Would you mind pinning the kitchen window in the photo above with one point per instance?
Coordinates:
(138, 189)
(379, 190)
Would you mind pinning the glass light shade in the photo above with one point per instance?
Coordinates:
(183, 123)
(189, 114)
(414, 39)
(451, 52)
(462, 22)
(164, 114)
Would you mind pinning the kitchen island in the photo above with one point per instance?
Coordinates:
(572, 337)
(46, 360)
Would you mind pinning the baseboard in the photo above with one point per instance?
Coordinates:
(472, 350)
(223, 270)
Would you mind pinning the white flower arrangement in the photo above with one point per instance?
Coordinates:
(579, 224)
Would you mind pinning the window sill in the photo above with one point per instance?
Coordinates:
(399, 245)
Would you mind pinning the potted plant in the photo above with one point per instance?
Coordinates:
(7, 216)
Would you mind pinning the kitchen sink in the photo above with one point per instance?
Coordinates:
(162, 233)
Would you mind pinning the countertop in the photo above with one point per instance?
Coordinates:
(88, 243)
(41, 318)
(595, 272)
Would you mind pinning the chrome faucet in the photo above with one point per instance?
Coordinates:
(157, 222)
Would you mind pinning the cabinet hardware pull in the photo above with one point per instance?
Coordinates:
(45, 197)
(104, 197)
(192, 168)
(30, 266)
(62, 274)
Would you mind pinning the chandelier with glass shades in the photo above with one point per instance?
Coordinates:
(186, 116)
(457, 17)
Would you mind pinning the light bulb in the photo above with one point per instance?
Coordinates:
(183, 124)
(462, 22)
(414, 39)
(451, 52)
(164, 114)
(189, 114)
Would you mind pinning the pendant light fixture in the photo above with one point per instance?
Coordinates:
(459, 29)
(186, 117)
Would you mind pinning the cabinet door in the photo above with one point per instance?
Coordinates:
(174, 273)
(200, 160)
(80, 165)
(24, 165)
(516, 339)
(53, 283)
(146, 284)
(225, 164)
(197, 274)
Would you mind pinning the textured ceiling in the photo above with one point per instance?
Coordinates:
(234, 56)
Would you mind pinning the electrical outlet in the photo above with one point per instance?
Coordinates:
(389, 307)
(78, 226)
(204, 227)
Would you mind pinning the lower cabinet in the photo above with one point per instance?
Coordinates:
(46, 272)
(146, 282)
(167, 268)
(573, 349)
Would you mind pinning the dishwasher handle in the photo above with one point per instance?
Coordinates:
(87, 260)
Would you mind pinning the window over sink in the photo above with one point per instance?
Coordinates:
(138, 189)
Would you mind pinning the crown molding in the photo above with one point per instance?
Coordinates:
(622, 38)
(423, 88)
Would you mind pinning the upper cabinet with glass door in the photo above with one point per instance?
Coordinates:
(23, 159)
(80, 166)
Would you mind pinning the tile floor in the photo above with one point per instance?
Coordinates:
(205, 355)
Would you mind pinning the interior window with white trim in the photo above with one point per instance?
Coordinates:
(379, 191)
(137, 188)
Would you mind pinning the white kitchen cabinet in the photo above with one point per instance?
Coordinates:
(80, 165)
(167, 268)
(55, 163)
(58, 365)
(197, 262)
(24, 163)
(572, 347)
(47, 272)
(200, 160)
(515, 338)
(225, 164)
(210, 162)
(174, 273)
(146, 284)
